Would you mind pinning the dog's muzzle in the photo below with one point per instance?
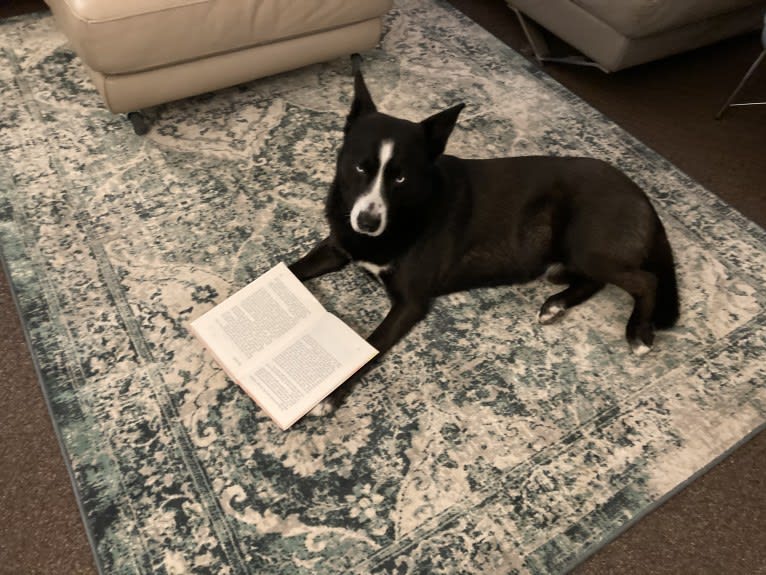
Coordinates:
(368, 218)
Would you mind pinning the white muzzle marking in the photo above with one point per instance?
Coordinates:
(371, 204)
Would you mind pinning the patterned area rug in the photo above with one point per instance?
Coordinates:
(484, 443)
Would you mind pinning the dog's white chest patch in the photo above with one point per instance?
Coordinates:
(374, 269)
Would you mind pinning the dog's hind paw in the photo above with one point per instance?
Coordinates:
(550, 313)
(639, 348)
(324, 407)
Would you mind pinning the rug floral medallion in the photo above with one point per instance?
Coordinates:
(482, 443)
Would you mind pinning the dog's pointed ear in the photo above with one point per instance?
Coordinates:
(438, 129)
(362, 103)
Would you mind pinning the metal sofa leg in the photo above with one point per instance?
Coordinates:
(540, 47)
(140, 123)
(737, 90)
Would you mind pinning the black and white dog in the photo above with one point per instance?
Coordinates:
(429, 224)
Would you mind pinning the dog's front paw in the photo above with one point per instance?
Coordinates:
(324, 407)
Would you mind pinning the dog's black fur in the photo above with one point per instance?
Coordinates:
(454, 224)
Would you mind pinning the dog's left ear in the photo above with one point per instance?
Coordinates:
(438, 129)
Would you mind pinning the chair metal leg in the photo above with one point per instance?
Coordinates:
(540, 47)
(737, 90)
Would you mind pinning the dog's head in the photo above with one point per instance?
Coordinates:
(385, 163)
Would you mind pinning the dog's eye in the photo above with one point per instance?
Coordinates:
(400, 180)
(359, 169)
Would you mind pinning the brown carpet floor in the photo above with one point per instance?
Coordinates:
(716, 525)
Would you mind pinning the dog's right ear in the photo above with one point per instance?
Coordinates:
(362, 104)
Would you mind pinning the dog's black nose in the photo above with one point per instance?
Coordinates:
(368, 222)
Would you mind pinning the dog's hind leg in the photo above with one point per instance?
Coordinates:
(558, 274)
(324, 258)
(579, 290)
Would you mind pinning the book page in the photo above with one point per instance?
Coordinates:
(305, 371)
(248, 326)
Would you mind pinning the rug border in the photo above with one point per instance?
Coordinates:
(594, 548)
(51, 415)
(718, 204)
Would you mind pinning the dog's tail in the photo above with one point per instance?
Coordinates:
(662, 264)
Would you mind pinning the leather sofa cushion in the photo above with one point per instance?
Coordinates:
(117, 37)
(640, 18)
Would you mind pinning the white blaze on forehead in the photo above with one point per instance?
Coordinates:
(372, 201)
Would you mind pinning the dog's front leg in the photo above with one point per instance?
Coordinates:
(400, 319)
(324, 258)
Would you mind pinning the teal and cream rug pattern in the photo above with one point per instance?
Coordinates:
(483, 443)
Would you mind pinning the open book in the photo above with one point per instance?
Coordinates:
(281, 346)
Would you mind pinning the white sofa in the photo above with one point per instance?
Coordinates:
(619, 34)
(145, 52)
